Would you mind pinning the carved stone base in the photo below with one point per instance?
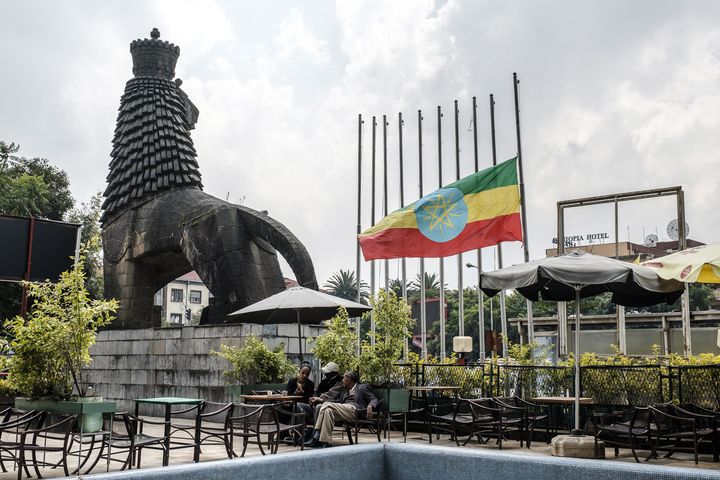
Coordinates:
(577, 446)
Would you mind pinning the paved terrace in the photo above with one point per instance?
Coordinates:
(153, 458)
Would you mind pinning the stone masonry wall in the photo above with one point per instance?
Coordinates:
(174, 362)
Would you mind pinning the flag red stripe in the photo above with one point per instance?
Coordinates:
(409, 242)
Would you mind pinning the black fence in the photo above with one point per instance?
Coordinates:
(606, 384)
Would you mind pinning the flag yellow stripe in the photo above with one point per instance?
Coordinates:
(481, 206)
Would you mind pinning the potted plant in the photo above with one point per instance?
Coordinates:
(377, 361)
(338, 343)
(51, 347)
(255, 367)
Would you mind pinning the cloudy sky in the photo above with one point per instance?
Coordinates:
(615, 96)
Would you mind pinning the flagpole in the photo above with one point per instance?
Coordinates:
(523, 209)
(423, 330)
(481, 306)
(503, 314)
(372, 223)
(441, 260)
(385, 194)
(359, 230)
(461, 306)
(403, 266)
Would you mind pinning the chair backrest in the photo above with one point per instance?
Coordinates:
(394, 400)
(247, 417)
(218, 412)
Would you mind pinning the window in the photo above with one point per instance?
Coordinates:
(176, 318)
(159, 298)
(176, 295)
(195, 296)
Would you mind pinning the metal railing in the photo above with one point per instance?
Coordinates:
(606, 384)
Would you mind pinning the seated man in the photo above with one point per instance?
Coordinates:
(353, 396)
(331, 378)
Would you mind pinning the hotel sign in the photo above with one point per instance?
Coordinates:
(575, 240)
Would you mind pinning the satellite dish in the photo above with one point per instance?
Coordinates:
(672, 229)
(651, 240)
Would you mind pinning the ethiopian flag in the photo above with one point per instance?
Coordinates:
(477, 211)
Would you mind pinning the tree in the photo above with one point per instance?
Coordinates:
(343, 284)
(432, 285)
(338, 343)
(396, 287)
(88, 215)
(52, 346)
(30, 174)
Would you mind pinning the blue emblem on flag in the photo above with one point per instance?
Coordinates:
(442, 215)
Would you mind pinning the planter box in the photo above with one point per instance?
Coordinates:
(236, 390)
(90, 409)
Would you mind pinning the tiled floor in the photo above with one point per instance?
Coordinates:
(153, 458)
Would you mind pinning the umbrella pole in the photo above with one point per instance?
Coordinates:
(299, 335)
(577, 361)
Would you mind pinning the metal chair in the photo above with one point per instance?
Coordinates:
(631, 428)
(534, 416)
(126, 439)
(14, 423)
(51, 438)
(251, 422)
(675, 427)
(211, 415)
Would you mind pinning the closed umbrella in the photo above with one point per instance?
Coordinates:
(298, 304)
(579, 275)
(694, 265)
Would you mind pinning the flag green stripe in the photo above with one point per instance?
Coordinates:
(501, 175)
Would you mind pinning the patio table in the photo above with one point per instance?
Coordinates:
(169, 402)
(562, 403)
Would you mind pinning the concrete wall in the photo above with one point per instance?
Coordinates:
(174, 362)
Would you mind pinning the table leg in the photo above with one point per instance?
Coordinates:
(196, 451)
(166, 453)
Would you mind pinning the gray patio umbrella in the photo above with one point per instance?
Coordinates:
(298, 304)
(579, 275)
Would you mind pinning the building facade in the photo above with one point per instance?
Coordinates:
(182, 300)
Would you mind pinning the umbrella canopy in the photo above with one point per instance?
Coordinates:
(578, 275)
(555, 279)
(698, 264)
(298, 304)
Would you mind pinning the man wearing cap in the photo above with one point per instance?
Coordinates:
(354, 398)
(331, 378)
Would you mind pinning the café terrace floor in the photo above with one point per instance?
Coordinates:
(153, 458)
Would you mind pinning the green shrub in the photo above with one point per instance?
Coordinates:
(338, 343)
(254, 363)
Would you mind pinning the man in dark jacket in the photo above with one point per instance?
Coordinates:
(331, 378)
(354, 397)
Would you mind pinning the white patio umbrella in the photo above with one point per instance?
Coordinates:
(579, 275)
(298, 304)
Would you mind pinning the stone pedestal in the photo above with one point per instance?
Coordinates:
(577, 446)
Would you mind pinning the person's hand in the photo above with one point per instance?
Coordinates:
(369, 414)
(315, 400)
(299, 389)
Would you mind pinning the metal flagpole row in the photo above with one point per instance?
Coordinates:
(403, 265)
(503, 314)
(372, 223)
(423, 330)
(481, 309)
(358, 263)
(385, 194)
(461, 306)
(523, 207)
(441, 260)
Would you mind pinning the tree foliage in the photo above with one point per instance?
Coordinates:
(52, 346)
(343, 284)
(392, 324)
(255, 363)
(338, 343)
(88, 215)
